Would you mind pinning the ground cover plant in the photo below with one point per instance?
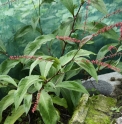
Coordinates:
(39, 76)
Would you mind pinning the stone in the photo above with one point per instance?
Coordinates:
(81, 111)
(93, 110)
(100, 87)
(119, 120)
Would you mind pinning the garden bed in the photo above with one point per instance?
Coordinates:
(114, 113)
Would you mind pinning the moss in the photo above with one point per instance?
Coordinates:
(81, 111)
(93, 110)
(99, 110)
(103, 103)
(96, 117)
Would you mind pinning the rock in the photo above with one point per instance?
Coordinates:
(100, 87)
(81, 111)
(93, 110)
(119, 120)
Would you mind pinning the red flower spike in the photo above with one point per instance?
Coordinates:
(36, 103)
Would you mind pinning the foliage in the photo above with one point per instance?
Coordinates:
(42, 59)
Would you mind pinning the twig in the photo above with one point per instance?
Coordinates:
(72, 29)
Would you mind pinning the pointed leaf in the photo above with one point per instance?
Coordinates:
(32, 47)
(8, 79)
(6, 65)
(38, 85)
(15, 115)
(33, 65)
(34, 22)
(104, 50)
(72, 73)
(23, 31)
(72, 85)
(66, 95)
(69, 5)
(27, 102)
(23, 86)
(68, 66)
(6, 102)
(57, 79)
(2, 46)
(65, 27)
(46, 109)
(75, 97)
(99, 5)
(45, 67)
(119, 49)
(59, 101)
(93, 27)
(85, 40)
(69, 56)
(50, 84)
(88, 66)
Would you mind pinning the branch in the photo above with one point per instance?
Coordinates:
(7, 2)
(72, 30)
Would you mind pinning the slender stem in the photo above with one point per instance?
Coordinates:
(40, 3)
(54, 75)
(72, 29)
(63, 50)
(75, 17)
(34, 8)
(4, 53)
(7, 2)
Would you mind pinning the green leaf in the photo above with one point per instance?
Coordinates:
(8, 79)
(15, 115)
(90, 42)
(2, 47)
(72, 85)
(6, 65)
(32, 47)
(46, 109)
(75, 97)
(57, 79)
(38, 85)
(119, 49)
(85, 40)
(47, 1)
(59, 101)
(65, 28)
(33, 65)
(34, 22)
(104, 50)
(72, 73)
(68, 66)
(27, 102)
(50, 84)
(92, 27)
(45, 67)
(69, 5)
(23, 31)
(66, 95)
(52, 71)
(88, 66)
(99, 5)
(6, 102)
(23, 86)
(69, 56)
